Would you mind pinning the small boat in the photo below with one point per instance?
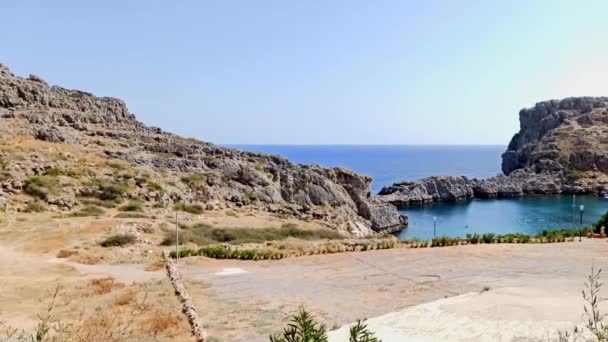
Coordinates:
(606, 196)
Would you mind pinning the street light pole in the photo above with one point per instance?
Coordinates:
(176, 237)
(582, 208)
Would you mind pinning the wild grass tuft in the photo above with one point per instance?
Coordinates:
(118, 240)
(88, 210)
(35, 206)
(195, 209)
(132, 206)
(42, 186)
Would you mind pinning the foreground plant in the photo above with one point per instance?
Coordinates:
(595, 319)
(52, 325)
(304, 328)
(360, 333)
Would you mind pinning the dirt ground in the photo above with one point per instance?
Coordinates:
(93, 294)
(472, 292)
(504, 286)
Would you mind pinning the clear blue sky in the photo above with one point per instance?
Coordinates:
(317, 72)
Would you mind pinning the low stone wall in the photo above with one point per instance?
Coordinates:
(188, 307)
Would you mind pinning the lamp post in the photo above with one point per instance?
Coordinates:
(434, 227)
(582, 208)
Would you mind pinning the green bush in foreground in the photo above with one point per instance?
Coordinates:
(304, 328)
(118, 240)
(603, 221)
(360, 333)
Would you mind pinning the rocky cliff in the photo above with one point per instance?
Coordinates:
(562, 147)
(76, 126)
(568, 136)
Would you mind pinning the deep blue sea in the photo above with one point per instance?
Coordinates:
(387, 164)
(391, 163)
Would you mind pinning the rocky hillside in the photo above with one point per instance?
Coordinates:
(568, 136)
(562, 147)
(66, 148)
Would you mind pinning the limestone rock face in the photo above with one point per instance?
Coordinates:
(432, 189)
(562, 147)
(29, 107)
(569, 135)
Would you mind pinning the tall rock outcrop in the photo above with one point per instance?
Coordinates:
(562, 147)
(569, 135)
(203, 172)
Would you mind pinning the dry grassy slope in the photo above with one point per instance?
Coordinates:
(80, 148)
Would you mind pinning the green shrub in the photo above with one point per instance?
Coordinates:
(113, 191)
(88, 210)
(302, 328)
(195, 209)
(42, 186)
(488, 237)
(117, 165)
(474, 238)
(132, 206)
(204, 234)
(118, 240)
(100, 203)
(131, 214)
(603, 221)
(576, 174)
(360, 333)
(152, 186)
(196, 181)
(55, 171)
(35, 206)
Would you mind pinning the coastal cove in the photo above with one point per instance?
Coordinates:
(529, 214)
(387, 164)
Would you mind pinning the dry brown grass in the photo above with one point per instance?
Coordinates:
(102, 286)
(86, 259)
(64, 253)
(155, 266)
(126, 298)
(162, 322)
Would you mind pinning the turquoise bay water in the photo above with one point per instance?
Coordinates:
(529, 214)
(391, 163)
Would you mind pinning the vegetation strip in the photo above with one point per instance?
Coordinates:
(188, 307)
(263, 253)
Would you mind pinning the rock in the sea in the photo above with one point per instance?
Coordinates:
(569, 135)
(562, 147)
(432, 189)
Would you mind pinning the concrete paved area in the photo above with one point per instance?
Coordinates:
(246, 300)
